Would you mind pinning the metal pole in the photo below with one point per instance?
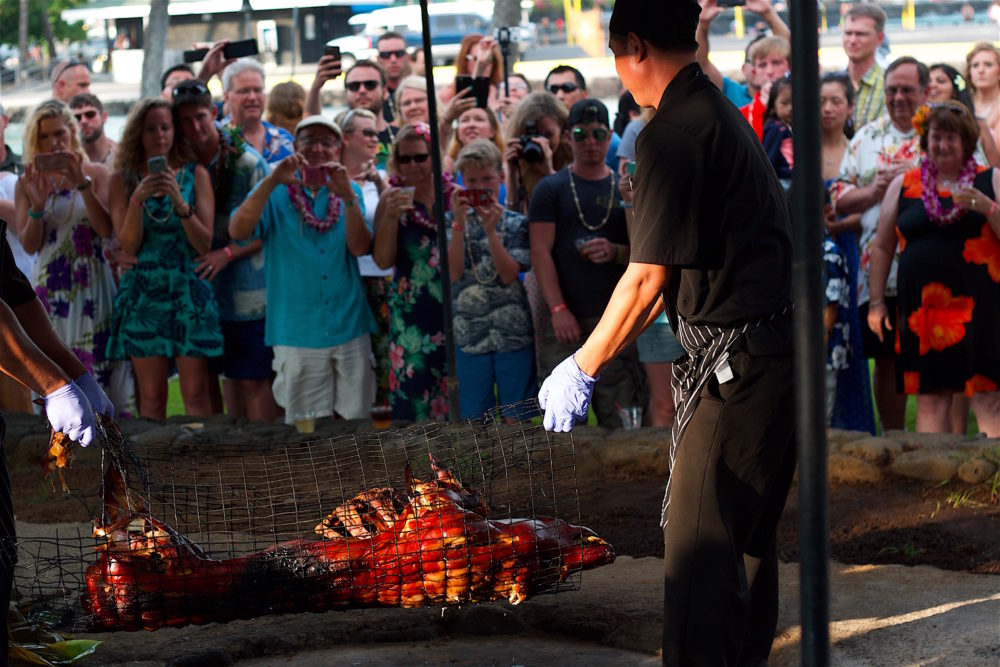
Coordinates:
(442, 234)
(295, 37)
(810, 366)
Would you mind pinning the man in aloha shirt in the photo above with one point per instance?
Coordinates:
(879, 152)
(236, 270)
(243, 90)
(310, 217)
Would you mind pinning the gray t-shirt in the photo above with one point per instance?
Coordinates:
(626, 149)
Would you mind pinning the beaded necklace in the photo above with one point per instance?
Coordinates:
(488, 278)
(579, 209)
(170, 208)
(932, 204)
(306, 215)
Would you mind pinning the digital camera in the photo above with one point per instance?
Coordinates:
(531, 150)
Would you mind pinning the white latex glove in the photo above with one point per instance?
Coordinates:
(70, 412)
(565, 396)
(98, 399)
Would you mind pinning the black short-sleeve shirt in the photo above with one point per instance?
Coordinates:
(708, 204)
(16, 290)
(586, 286)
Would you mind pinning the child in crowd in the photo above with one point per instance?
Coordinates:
(778, 130)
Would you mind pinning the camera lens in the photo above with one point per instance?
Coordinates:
(531, 151)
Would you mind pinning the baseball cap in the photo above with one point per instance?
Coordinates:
(588, 111)
(669, 25)
(310, 121)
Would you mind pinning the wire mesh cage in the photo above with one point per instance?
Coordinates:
(432, 514)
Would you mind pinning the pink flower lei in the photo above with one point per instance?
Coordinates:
(417, 215)
(932, 203)
(301, 204)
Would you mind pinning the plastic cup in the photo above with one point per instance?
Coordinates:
(631, 417)
(381, 417)
(582, 242)
(410, 193)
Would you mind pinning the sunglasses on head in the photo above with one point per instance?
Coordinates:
(355, 86)
(580, 134)
(398, 53)
(565, 87)
(419, 158)
(190, 87)
(89, 115)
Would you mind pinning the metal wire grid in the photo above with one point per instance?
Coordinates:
(255, 509)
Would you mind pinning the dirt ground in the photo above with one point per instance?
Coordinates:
(897, 521)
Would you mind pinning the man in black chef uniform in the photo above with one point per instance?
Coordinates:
(32, 353)
(710, 242)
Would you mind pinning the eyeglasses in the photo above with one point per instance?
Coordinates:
(190, 87)
(892, 91)
(598, 133)
(89, 115)
(325, 142)
(355, 86)
(398, 53)
(565, 87)
(419, 158)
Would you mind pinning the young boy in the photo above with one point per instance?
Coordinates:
(771, 58)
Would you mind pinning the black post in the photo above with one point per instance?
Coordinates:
(810, 357)
(442, 234)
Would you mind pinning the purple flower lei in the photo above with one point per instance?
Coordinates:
(301, 204)
(932, 204)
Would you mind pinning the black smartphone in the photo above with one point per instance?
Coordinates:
(195, 55)
(334, 51)
(462, 81)
(480, 87)
(730, 3)
(240, 48)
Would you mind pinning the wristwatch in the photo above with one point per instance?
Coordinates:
(87, 182)
(349, 203)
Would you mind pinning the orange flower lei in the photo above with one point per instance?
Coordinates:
(920, 120)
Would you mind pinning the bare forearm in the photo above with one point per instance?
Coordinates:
(456, 254)
(878, 272)
(858, 200)
(547, 277)
(313, 106)
(97, 214)
(386, 229)
(130, 232)
(245, 218)
(778, 27)
(635, 303)
(21, 359)
(38, 328)
(507, 266)
(356, 234)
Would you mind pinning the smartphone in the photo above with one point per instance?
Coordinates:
(462, 81)
(334, 51)
(51, 162)
(240, 48)
(314, 175)
(156, 165)
(479, 197)
(731, 3)
(195, 55)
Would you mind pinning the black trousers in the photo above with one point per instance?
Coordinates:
(8, 541)
(731, 476)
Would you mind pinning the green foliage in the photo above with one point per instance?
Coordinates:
(9, 21)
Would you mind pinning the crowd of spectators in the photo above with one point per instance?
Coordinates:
(295, 256)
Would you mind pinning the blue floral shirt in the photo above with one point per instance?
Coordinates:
(838, 293)
(278, 142)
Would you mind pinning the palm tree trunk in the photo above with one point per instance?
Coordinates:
(154, 43)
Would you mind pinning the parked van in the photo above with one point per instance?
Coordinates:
(449, 23)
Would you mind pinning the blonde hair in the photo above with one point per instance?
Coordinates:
(131, 154)
(454, 145)
(286, 105)
(345, 119)
(45, 110)
(768, 45)
(481, 153)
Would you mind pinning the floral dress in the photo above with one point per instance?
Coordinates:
(75, 286)
(949, 296)
(163, 309)
(418, 380)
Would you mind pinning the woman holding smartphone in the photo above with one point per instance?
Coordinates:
(60, 214)
(162, 205)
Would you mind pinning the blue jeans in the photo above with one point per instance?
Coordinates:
(513, 373)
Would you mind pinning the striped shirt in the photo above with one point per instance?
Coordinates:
(869, 98)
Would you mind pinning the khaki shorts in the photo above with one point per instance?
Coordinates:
(317, 382)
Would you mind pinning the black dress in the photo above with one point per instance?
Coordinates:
(949, 296)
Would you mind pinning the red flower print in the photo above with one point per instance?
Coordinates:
(940, 321)
(396, 356)
(911, 382)
(984, 250)
(979, 383)
(900, 241)
(912, 187)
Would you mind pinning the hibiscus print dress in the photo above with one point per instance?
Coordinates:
(418, 379)
(74, 284)
(949, 296)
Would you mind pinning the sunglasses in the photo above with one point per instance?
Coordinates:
(565, 87)
(385, 55)
(89, 115)
(190, 88)
(355, 86)
(598, 133)
(419, 158)
(368, 132)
